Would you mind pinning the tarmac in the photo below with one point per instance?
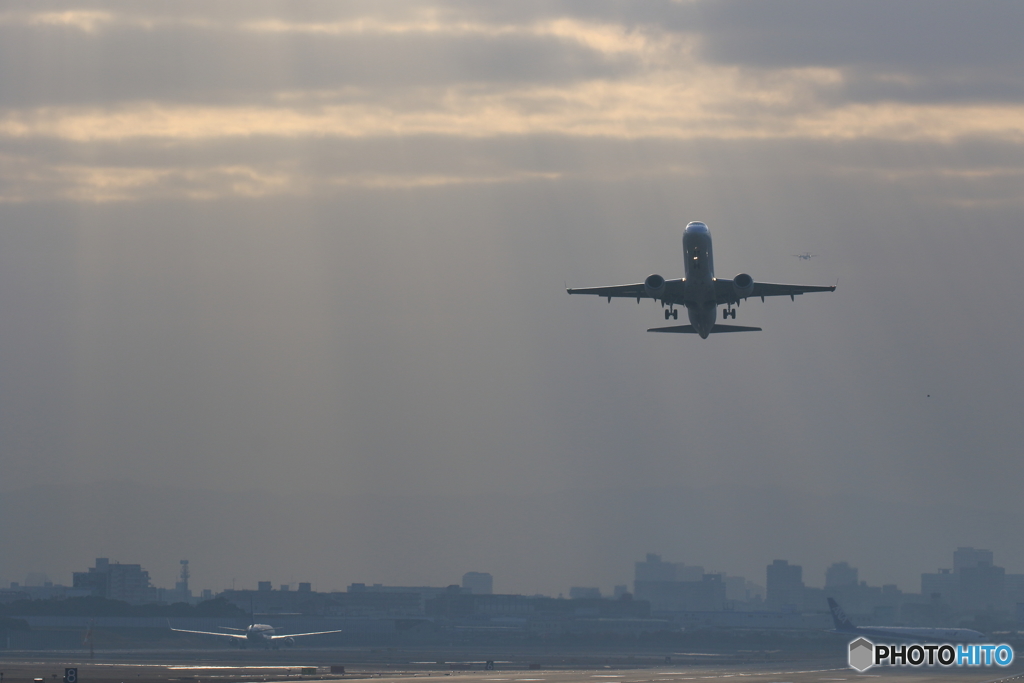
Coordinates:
(389, 666)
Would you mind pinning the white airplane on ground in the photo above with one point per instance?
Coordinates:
(700, 291)
(257, 635)
(844, 626)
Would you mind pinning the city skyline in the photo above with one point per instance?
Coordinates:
(251, 558)
(839, 575)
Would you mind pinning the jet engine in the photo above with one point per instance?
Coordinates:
(289, 642)
(654, 285)
(743, 285)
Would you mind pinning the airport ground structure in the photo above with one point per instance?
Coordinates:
(667, 598)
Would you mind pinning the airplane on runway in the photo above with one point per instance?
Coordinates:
(844, 626)
(700, 291)
(257, 635)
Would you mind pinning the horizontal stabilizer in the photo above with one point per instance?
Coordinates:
(688, 329)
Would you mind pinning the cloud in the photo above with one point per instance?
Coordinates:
(44, 62)
(710, 103)
(911, 51)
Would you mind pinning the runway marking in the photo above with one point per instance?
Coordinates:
(182, 667)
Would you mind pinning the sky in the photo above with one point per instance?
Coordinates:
(282, 288)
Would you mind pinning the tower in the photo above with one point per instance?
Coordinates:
(184, 594)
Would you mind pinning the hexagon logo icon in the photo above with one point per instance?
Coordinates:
(862, 654)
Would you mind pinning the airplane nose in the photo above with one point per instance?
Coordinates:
(696, 226)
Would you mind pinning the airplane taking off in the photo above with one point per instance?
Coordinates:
(844, 626)
(700, 291)
(257, 635)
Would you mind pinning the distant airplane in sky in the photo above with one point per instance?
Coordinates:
(700, 291)
(844, 626)
(806, 256)
(257, 635)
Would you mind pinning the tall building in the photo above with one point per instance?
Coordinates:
(654, 569)
(706, 595)
(676, 587)
(964, 558)
(478, 583)
(983, 587)
(943, 585)
(785, 586)
(840, 574)
(974, 583)
(127, 582)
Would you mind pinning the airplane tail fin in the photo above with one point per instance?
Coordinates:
(839, 618)
(688, 329)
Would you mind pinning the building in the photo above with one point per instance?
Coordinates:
(706, 595)
(975, 584)
(943, 585)
(116, 581)
(964, 558)
(840, 575)
(478, 583)
(655, 569)
(785, 586)
(674, 586)
(983, 587)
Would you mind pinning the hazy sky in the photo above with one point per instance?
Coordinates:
(281, 288)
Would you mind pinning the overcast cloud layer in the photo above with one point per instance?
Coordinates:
(310, 258)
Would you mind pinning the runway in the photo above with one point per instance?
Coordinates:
(233, 668)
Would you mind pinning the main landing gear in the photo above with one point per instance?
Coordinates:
(729, 313)
(671, 313)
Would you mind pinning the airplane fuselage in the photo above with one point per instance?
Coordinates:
(845, 627)
(921, 635)
(259, 634)
(699, 264)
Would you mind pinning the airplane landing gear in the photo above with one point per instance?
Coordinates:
(671, 313)
(729, 313)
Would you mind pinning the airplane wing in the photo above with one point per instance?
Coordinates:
(715, 329)
(235, 636)
(673, 291)
(299, 635)
(726, 293)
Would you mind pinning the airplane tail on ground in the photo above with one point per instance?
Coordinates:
(688, 329)
(839, 618)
